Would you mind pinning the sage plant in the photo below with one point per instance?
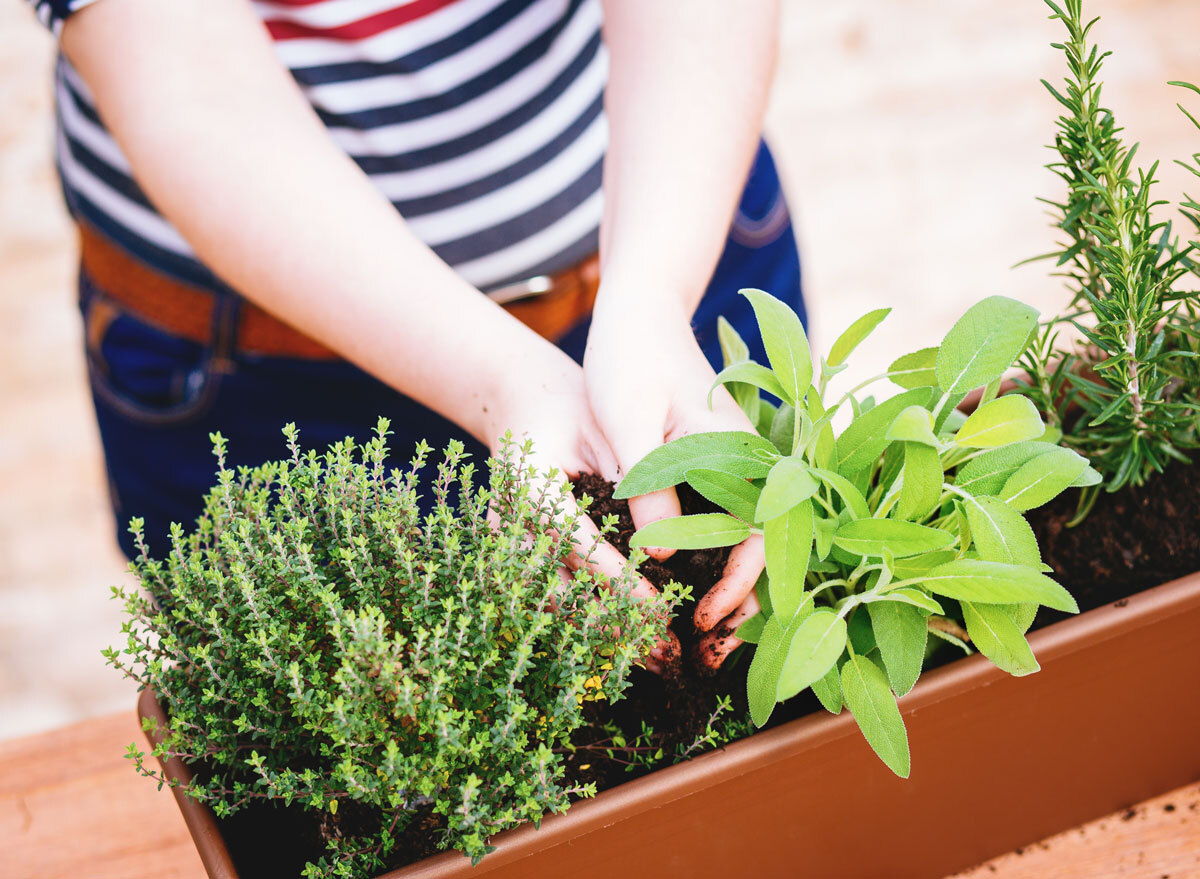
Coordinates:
(906, 524)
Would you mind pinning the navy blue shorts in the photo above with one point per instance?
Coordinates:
(158, 397)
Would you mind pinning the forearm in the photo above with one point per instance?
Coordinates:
(685, 101)
(226, 147)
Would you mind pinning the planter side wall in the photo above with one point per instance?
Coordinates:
(997, 762)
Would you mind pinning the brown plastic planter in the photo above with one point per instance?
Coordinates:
(997, 762)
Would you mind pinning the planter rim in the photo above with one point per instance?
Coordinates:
(665, 786)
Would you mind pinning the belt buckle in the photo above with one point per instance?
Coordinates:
(526, 289)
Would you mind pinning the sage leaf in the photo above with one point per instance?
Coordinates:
(814, 648)
(915, 597)
(823, 536)
(983, 343)
(1022, 615)
(900, 633)
(917, 566)
(750, 373)
(1005, 420)
(789, 482)
(866, 437)
(851, 496)
(701, 531)
(997, 637)
(822, 443)
(733, 347)
(785, 342)
(988, 473)
(751, 630)
(829, 690)
(914, 424)
(762, 679)
(788, 541)
(1088, 477)
(915, 370)
(996, 583)
(742, 454)
(783, 427)
(869, 698)
(732, 493)
(921, 485)
(1043, 478)
(869, 537)
(859, 633)
(1000, 533)
(854, 335)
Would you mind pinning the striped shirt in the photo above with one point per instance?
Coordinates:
(482, 121)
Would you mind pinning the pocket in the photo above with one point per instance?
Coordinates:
(141, 372)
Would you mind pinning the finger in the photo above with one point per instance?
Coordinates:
(663, 504)
(715, 647)
(745, 563)
(591, 552)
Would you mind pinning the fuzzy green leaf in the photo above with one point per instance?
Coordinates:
(1000, 533)
(788, 541)
(869, 698)
(789, 482)
(750, 373)
(733, 347)
(915, 597)
(866, 437)
(983, 343)
(846, 490)
(701, 531)
(900, 634)
(870, 537)
(785, 342)
(762, 679)
(732, 493)
(914, 424)
(915, 370)
(742, 454)
(814, 648)
(751, 630)
(921, 488)
(988, 473)
(829, 690)
(996, 583)
(1042, 479)
(1003, 421)
(854, 334)
(997, 637)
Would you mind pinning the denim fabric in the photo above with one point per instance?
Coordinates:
(159, 397)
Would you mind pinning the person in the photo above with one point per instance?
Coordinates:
(472, 216)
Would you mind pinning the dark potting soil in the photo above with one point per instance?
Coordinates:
(1131, 540)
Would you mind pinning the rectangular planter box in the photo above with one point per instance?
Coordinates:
(1112, 718)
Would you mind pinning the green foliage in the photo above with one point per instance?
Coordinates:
(870, 532)
(1136, 379)
(317, 641)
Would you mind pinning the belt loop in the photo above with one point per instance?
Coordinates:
(226, 314)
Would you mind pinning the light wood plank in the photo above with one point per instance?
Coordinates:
(1156, 839)
(71, 807)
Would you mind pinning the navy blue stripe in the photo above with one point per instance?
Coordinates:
(79, 101)
(480, 137)
(349, 71)
(109, 176)
(569, 256)
(457, 96)
(532, 221)
(440, 201)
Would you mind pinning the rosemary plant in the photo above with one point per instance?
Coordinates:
(1135, 413)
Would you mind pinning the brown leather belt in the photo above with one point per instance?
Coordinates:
(549, 305)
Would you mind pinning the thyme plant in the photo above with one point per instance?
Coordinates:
(316, 641)
(908, 523)
(1134, 387)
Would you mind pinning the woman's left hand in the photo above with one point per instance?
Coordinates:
(647, 383)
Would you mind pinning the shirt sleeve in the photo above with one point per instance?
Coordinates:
(52, 13)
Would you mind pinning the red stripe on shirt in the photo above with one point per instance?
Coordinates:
(357, 30)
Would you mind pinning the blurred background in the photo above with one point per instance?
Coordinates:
(910, 134)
